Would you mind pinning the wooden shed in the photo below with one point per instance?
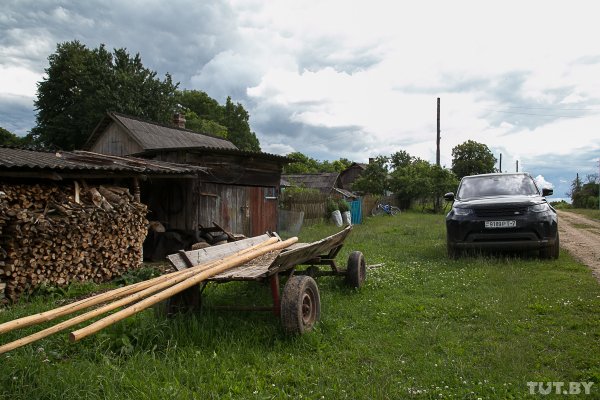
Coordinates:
(239, 191)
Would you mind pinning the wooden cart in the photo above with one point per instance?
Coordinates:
(298, 304)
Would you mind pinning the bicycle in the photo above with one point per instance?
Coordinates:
(381, 209)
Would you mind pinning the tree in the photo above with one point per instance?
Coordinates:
(471, 158)
(401, 159)
(81, 84)
(304, 164)
(585, 195)
(235, 119)
(10, 139)
(374, 179)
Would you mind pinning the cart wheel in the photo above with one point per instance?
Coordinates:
(356, 273)
(300, 305)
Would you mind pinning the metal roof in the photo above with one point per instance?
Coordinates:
(213, 151)
(13, 159)
(323, 181)
(153, 135)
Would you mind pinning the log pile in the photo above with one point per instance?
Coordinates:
(55, 234)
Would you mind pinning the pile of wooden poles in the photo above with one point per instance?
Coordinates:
(53, 234)
(143, 294)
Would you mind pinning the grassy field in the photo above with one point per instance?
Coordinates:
(423, 326)
(592, 214)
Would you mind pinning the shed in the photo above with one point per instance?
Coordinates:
(350, 174)
(324, 181)
(239, 191)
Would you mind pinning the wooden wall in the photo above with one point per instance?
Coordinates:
(115, 141)
(239, 209)
(172, 202)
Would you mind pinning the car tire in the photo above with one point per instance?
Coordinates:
(551, 252)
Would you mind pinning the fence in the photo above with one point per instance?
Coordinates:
(311, 204)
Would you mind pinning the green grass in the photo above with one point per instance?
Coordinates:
(423, 326)
(592, 214)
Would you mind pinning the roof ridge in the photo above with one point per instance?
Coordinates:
(165, 125)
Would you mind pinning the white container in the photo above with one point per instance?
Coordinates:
(336, 217)
(347, 217)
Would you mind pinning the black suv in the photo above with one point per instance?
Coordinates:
(501, 211)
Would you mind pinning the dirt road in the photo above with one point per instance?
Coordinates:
(581, 237)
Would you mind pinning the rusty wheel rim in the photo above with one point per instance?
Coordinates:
(308, 308)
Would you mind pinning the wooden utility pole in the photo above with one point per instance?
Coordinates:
(437, 154)
(500, 167)
(517, 166)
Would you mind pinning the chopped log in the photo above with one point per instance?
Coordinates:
(67, 241)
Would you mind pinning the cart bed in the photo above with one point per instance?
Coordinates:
(264, 266)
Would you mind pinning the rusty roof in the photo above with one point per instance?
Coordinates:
(15, 159)
(153, 135)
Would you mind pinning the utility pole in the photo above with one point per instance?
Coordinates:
(500, 162)
(517, 165)
(437, 154)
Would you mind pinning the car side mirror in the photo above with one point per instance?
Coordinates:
(547, 192)
(449, 196)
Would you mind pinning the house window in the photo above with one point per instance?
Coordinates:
(270, 193)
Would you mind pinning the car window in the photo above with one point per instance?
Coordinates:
(497, 185)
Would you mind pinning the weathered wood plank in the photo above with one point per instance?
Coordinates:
(300, 254)
(213, 253)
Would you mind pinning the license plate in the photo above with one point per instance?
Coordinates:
(500, 224)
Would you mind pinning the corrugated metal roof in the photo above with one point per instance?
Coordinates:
(323, 181)
(12, 159)
(213, 151)
(151, 135)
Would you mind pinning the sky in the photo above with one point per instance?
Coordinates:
(352, 79)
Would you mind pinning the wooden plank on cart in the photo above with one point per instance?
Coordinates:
(305, 252)
(253, 270)
(207, 254)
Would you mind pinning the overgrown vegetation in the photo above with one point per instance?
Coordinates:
(422, 327)
(304, 164)
(585, 195)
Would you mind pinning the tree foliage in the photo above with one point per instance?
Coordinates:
(307, 165)
(8, 138)
(374, 179)
(203, 114)
(418, 180)
(81, 84)
(235, 119)
(471, 158)
(585, 195)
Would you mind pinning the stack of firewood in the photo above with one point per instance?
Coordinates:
(56, 234)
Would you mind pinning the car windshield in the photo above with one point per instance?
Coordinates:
(497, 185)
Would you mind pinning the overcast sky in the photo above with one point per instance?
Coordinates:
(352, 79)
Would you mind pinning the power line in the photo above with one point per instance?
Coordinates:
(553, 108)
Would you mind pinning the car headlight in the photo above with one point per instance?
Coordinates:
(542, 207)
(462, 211)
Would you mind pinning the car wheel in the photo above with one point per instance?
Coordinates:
(551, 252)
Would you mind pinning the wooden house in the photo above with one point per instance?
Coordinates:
(238, 192)
(350, 174)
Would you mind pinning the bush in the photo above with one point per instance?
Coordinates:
(332, 205)
(343, 205)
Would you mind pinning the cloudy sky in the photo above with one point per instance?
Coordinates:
(352, 79)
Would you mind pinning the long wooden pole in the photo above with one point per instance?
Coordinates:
(102, 297)
(178, 277)
(142, 305)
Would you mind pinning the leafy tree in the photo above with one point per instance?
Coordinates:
(585, 195)
(10, 139)
(309, 165)
(201, 125)
(235, 118)
(418, 180)
(401, 159)
(81, 84)
(471, 158)
(374, 179)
